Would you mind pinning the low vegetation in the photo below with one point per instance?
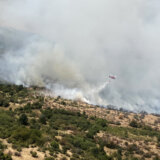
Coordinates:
(28, 121)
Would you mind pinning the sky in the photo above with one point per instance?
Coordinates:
(72, 46)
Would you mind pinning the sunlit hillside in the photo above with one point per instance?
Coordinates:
(35, 126)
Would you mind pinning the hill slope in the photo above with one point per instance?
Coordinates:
(35, 126)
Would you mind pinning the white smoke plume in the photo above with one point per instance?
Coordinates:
(71, 46)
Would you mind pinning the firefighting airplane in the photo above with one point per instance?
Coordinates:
(112, 77)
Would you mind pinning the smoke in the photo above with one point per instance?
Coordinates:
(71, 47)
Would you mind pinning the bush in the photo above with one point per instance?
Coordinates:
(2, 147)
(134, 124)
(81, 142)
(23, 137)
(111, 145)
(37, 105)
(92, 131)
(5, 156)
(18, 154)
(133, 148)
(101, 122)
(158, 138)
(63, 103)
(42, 119)
(55, 146)
(34, 154)
(23, 119)
(4, 102)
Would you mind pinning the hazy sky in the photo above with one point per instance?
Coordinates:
(72, 46)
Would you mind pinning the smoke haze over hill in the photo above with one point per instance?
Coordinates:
(71, 46)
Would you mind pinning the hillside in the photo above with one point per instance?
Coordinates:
(36, 126)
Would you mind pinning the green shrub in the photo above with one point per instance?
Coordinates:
(158, 138)
(25, 136)
(101, 122)
(5, 156)
(37, 105)
(42, 119)
(23, 119)
(134, 124)
(54, 146)
(2, 147)
(4, 102)
(63, 103)
(132, 148)
(18, 154)
(34, 154)
(93, 130)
